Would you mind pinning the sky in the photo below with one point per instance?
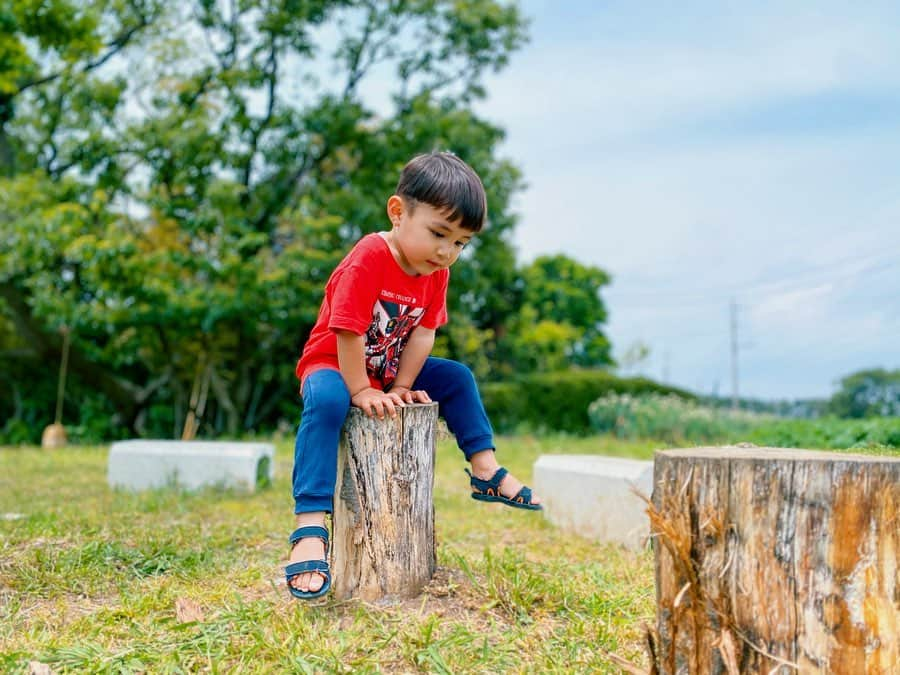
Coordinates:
(710, 155)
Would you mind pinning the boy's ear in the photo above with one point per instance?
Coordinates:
(395, 207)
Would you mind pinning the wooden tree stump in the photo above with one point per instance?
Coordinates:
(383, 508)
(776, 561)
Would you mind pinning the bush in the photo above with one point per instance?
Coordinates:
(558, 401)
(675, 420)
(28, 405)
(16, 432)
(667, 417)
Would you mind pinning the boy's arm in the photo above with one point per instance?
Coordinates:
(351, 353)
(417, 349)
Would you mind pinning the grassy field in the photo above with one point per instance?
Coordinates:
(93, 580)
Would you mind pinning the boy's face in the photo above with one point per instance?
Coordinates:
(423, 240)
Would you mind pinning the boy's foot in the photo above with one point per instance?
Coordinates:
(509, 486)
(485, 465)
(308, 548)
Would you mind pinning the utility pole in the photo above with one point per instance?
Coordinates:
(734, 356)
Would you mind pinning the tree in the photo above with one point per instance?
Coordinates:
(52, 109)
(561, 317)
(867, 393)
(179, 181)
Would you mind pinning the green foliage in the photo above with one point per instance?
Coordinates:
(867, 393)
(666, 417)
(829, 433)
(557, 401)
(561, 317)
(178, 186)
(675, 420)
(30, 407)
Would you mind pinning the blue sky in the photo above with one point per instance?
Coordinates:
(712, 152)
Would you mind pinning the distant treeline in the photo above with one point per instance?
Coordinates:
(863, 394)
(805, 408)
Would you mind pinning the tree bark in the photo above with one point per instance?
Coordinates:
(776, 561)
(383, 544)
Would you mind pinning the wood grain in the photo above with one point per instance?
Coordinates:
(776, 561)
(383, 544)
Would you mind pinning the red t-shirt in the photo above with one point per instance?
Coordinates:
(369, 293)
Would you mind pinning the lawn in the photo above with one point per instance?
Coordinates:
(94, 580)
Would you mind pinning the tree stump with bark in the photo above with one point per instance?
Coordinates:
(383, 543)
(776, 561)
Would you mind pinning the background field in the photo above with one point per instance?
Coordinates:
(93, 580)
(89, 580)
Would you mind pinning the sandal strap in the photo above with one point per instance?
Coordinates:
(523, 496)
(318, 566)
(493, 482)
(309, 531)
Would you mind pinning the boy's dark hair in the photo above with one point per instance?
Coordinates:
(444, 181)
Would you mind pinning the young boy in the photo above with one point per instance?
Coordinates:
(370, 348)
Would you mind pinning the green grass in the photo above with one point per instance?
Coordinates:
(89, 579)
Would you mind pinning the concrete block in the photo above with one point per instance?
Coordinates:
(591, 496)
(139, 465)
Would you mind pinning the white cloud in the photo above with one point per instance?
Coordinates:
(795, 308)
(626, 84)
(723, 212)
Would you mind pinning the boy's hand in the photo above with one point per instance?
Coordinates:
(411, 395)
(376, 402)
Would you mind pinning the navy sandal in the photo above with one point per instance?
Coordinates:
(319, 567)
(489, 491)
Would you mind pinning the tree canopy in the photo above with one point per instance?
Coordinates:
(867, 393)
(177, 180)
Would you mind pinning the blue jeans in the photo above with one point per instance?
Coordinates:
(326, 402)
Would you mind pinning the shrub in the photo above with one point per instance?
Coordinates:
(676, 420)
(558, 401)
(667, 417)
(16, 432)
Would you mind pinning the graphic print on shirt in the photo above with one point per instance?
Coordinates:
(391, 325)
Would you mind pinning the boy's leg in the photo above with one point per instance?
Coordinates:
(325, 405)
(453, 386)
